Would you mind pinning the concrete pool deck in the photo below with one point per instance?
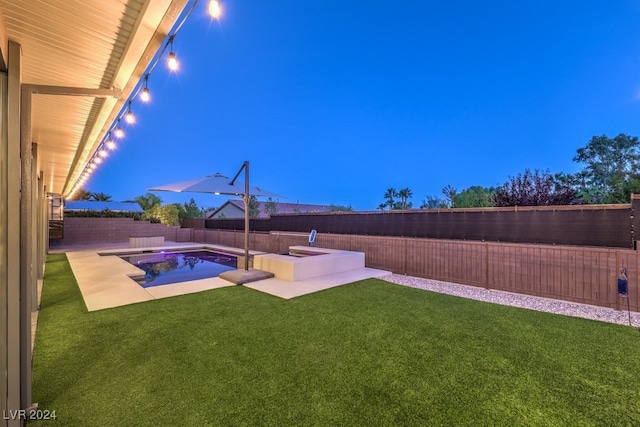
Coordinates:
(104, 280)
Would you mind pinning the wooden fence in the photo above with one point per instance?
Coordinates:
(579, 274)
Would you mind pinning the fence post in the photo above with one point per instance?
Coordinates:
(405, 256)
(615, 282)
(486, 266)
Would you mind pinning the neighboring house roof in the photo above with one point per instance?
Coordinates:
(86, 205)
(281, 208)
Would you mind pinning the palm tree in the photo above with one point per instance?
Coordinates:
(100, 197)
(148, 201)
(381, 206)
(405, 194)
(82, 194)
(449, 193)
(390, 194)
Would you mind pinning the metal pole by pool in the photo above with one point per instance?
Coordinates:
(245, 198)
(246, 215)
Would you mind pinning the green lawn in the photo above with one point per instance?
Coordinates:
(369, 353)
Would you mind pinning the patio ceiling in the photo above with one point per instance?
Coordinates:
(90, 44)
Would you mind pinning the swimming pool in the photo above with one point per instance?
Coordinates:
(163, 268)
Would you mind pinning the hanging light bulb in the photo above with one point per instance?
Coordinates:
(109, 143)
(93, 166)
(103, 153)
(172, 62)
(129, 117)
(97, 160)
(215, 10)
(119, 133)
(145, 96)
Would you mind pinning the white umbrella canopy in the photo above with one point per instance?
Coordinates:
(220, 184)
(214, 184)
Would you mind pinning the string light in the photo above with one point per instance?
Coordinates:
(110, 144)
(172, 62)
(129, 117)
(142, 92)
(119, 133)
(215, 10)
(145, 96)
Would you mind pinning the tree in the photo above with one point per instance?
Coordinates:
(189, 210)
(148, 201)
(624, 189)
(535, 189)
(254, 207)
(390, 196)
(270, 207)
(434, 203)
(100, 197)
(340, 208)
(382, 206)
(82, 194)
(474, 197)
(167, 214)
(405, 194)
(398, 205)
(449, 194)
(611, 167)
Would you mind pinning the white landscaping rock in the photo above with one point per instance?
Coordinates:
(548, 305)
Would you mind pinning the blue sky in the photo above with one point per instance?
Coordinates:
(334, 102)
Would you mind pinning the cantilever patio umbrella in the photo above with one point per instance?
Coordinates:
(219, 184)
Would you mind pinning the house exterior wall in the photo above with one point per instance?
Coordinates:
(230, 211)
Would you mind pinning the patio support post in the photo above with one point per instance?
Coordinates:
(15, 378)
(35, 230)
(26, 248)
(42, 211)
(4, 273)
(45, 220)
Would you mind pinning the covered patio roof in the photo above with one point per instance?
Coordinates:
(88, 44)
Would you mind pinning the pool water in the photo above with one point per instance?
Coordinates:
(176, 267)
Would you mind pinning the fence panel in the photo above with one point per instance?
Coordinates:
(581, 225)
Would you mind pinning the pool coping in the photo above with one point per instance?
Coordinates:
(104, 278)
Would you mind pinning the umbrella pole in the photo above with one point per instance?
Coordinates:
(245, 198)
(246, 216)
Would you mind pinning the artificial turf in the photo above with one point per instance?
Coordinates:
(368, 353)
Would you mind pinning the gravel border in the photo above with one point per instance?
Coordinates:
(548, 305)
